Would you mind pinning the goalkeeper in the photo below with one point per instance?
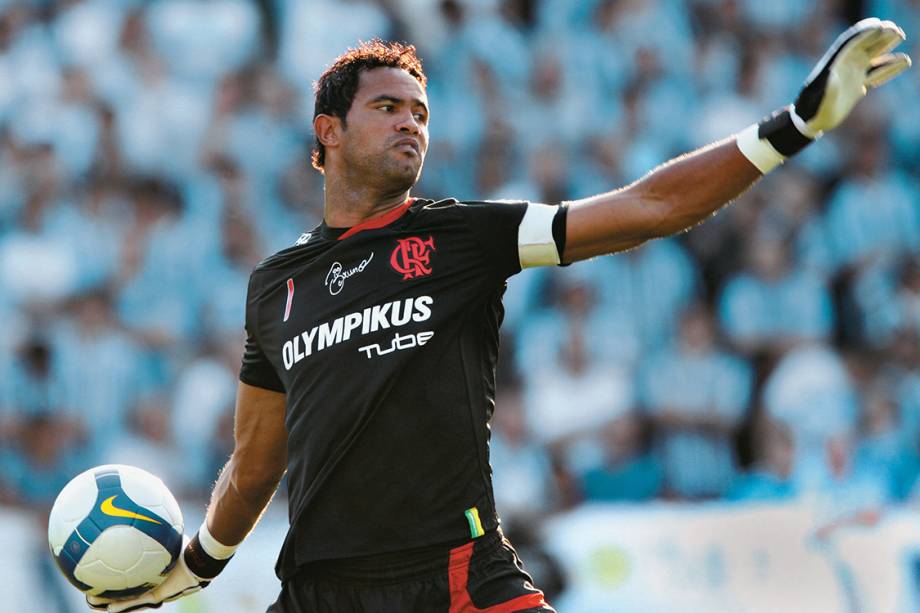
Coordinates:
(369, 366)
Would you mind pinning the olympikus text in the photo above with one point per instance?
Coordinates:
(378, 317)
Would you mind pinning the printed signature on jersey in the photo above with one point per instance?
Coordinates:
(335, 279)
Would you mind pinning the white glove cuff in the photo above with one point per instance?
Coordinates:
(212, 546)
(759, 151)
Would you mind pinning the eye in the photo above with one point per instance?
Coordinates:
(422, 117)
(387, 107)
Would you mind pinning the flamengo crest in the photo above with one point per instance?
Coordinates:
(412, 257)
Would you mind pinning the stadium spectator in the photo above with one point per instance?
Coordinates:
(902, 373)
(34, 388)
(36, 269)
(696, 394)
(522, 475)
(811, 393)
(203, 395)
(239, 252)
(307, 42)
(40, 464)
(845, 493)
(159, 293)
(603, 388)
(887, 294)
(552, 97)
(147, 443)
(203, 42)
(630, 470)
(883, 449)
(873, 211)
(92, 226)
(775, 305)
(770, 478)
(650, 286)
(101, 370)
(575, 308)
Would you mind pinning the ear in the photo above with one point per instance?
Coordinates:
(327, 129)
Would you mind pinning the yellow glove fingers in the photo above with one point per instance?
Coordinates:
(885, 68)
(876, 39)
(890, 36)
(860, 44)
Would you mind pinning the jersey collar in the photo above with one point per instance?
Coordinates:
(373, 223)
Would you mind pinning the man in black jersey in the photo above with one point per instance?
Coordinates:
(368, 373)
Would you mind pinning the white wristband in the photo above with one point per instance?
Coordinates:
(759, 151)
(802, 126)
(211, 545)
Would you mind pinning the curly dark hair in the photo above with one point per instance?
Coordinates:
(336, 88)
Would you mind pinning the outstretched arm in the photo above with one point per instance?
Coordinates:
(685, 191)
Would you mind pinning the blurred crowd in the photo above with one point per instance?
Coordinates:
(151, 153)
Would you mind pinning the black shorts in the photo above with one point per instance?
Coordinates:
(484, 575)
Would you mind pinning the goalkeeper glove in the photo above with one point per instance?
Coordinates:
(858, 60)
(197, 565)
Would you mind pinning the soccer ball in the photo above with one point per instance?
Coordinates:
(115, 531)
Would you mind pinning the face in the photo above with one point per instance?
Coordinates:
(386, 133)
(768, 258)
(780, 450)
(696, 332)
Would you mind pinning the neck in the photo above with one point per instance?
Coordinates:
(349, 201)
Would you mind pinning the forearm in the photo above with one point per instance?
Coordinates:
(250, 477)
(238, 501)
(690, 188)
(671, 198)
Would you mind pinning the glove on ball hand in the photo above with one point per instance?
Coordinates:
(858, 60)
(180, 582)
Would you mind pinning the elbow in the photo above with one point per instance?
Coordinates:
(667, 218)
(659, 220)
(652, 213)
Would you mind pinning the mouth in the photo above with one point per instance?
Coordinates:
(408, 144)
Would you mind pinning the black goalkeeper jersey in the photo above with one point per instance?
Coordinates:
(384, 338)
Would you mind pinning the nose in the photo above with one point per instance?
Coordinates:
(407, 124)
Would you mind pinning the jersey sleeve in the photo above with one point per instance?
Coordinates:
(256, 369)
(518, 234)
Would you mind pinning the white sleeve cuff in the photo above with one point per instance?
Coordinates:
(536, 246)
(759, 151)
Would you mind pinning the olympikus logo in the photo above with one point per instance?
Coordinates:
(378, 317)
(412, 257)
